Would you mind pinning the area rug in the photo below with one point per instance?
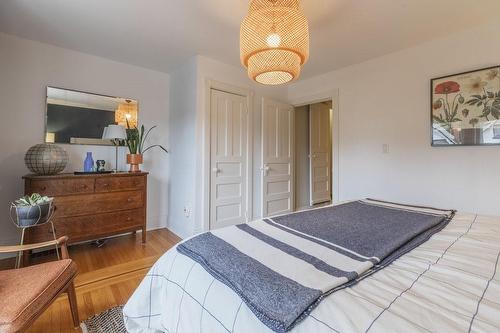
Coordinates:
(109, 321)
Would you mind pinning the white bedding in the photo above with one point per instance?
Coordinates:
(451, 283)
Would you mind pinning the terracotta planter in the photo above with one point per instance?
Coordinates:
(135, 160)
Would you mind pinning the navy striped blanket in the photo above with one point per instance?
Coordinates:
(282, 267)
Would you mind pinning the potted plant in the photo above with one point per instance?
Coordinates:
(32, 209)
(136, 141)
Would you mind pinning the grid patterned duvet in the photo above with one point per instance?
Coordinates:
(448, 284)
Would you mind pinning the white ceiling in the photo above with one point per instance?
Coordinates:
(161, 34)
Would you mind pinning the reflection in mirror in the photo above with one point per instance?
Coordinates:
(80, 118)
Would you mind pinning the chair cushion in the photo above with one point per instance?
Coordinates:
(24, 292)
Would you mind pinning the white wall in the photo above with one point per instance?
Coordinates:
(386, 101)
(183, 108)
(187, 186)
(26, 68)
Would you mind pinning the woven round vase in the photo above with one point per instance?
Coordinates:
(46, 159)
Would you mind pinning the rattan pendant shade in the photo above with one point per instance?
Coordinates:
(274, 41)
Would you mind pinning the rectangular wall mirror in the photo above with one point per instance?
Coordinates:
(77, 117)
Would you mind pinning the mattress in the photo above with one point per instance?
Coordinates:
(448, 284)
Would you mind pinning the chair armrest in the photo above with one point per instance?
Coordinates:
(26, 247)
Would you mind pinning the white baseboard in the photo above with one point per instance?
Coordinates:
(156, 222)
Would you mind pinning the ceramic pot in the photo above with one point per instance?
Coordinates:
(31, 215)
(46, 159)
(135, 160)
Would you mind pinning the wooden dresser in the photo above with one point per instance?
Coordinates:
(90, 207)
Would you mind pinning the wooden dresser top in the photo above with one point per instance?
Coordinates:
(96, 175)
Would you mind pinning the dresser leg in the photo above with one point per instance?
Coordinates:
(143, 234)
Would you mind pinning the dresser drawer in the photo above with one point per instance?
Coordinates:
(90, 207)
(81, 228)
(59, 187)
(88, 204)
(108, 184)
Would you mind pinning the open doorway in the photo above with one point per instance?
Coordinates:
(313, 155)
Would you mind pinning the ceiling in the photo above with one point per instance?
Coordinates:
(161, 34)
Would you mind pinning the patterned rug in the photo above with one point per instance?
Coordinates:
(109, 321)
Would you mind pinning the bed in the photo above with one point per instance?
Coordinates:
(449, 282)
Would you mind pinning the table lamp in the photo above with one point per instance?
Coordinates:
(114, 132)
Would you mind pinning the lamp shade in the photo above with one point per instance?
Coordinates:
(112, 132)
(274, 41)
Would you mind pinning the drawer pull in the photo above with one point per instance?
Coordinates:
(105, 185)
(43, 188)
(129, 200)
(129, 218)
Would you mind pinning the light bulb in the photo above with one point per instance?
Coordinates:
(273, 40)
(128, 116)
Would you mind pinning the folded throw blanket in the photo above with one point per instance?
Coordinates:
(282, 267)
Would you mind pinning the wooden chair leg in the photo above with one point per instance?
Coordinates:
(73, 305)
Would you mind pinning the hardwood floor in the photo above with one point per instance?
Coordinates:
(107, 276)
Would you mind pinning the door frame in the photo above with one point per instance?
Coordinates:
(206, 172)
(334, 96)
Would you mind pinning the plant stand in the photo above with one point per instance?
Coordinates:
(23, 230)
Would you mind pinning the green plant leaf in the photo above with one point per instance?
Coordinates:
(141, 140)
(495, 108)
(438, 119)
(147, 134)
(153, 146)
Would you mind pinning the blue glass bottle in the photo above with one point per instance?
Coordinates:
(88, 164)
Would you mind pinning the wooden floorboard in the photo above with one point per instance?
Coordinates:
(107, 276)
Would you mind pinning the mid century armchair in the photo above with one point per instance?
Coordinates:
(26, 292)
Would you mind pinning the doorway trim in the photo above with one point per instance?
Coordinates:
(205, 174)
(328, 95)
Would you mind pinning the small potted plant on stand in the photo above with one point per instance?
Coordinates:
(136, 141)
(32, 209)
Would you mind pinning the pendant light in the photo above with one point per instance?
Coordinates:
(274, 41)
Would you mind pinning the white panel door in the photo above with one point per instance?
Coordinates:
(228, 159)
(277, 158)
(320, 153)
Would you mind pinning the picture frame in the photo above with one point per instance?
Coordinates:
(465, 108)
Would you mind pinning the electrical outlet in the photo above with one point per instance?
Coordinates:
(385, 148)
(187, 211)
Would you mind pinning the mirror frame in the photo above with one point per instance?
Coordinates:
(104, 143)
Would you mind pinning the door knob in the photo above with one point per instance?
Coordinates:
(216, 170)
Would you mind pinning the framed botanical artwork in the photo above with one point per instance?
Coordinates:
(465, 108)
